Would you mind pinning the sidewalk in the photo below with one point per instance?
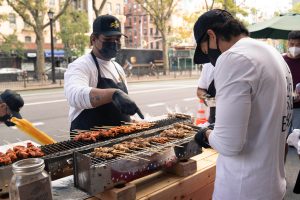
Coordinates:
(34, 85)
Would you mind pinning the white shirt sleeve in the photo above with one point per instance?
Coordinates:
(206, 76)
(202, 83)
(76, 84)
(233, 75)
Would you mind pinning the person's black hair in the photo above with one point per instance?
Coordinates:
(231, 28)
(294, 35)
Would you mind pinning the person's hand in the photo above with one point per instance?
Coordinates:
(201, 138)
(126, 106)
(204, 97)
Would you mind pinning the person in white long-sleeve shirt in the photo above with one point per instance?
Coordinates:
(206, 88)
(254, 97)
(95, 86)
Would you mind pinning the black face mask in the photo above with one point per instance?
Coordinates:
(5, 119)
(213, 54)
(109, 49)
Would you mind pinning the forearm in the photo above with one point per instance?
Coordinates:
(100, 97)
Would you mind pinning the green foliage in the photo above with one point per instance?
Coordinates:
(184, 33)
(296, 8)
(232, 7)
(160, 12)
(11, 45)
(74, 26)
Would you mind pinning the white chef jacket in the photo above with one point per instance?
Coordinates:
(207, 76)
(254, 90)
(81, 76)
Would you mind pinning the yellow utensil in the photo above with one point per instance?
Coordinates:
(27, 127)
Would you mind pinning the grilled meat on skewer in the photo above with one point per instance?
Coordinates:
(143, 142)
(184, 126)
(104, 149)
(121, 147)
(5, 160)
(161, 140)
(102, 155)
(173, 133)
(20, 152)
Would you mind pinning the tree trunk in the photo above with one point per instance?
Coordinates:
(40, 58)
(165, 53)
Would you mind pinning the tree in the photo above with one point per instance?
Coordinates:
(232, 7)
(33, 13)
(12, 46)
(211, 5)
(183, 34)
(74, 26)
(160, 11)
(98, 10)
(296, 8)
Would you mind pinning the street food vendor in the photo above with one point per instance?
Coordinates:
(253, 97)
(95, 85)
(206, 89)
(10, 105)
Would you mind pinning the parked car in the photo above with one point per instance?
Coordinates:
(59, 72)
(11, 74)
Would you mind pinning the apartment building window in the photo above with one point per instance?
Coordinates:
(156, 32)
(109, 8)
(51, 2)
(125, 1)
(129, 21)
(27, 39)
(151, 45)
(12, 18)
(118, 9)
(151, 31)
(134, 19)
(145, 19)
(157, 45)
(135, 33)
(145, 31)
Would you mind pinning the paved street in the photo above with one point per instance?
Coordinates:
(48, 110)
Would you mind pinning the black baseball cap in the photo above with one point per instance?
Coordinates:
(107, 25)
(14, 101)
(204, 22)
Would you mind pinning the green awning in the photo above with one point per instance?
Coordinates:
(276, 28)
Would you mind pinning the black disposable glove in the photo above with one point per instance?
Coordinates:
(211, 126)
(126, 106)
(201, 139)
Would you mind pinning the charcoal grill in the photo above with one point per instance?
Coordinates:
(58, 157)
(95, 175)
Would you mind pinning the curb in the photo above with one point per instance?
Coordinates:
(142, 80)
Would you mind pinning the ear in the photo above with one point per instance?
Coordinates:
(92, 39)
(211, 34)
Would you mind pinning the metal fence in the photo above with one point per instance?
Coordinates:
(28, 82)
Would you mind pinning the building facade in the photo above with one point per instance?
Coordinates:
(139, 28)
(25, 34)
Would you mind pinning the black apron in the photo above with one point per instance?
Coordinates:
(105, 115)
(212, 110)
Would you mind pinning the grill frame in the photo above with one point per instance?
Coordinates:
(94, 178)
(59, 164)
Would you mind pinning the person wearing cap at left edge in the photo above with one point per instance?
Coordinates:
(253, 109)
(95, 85)
(10, 105)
